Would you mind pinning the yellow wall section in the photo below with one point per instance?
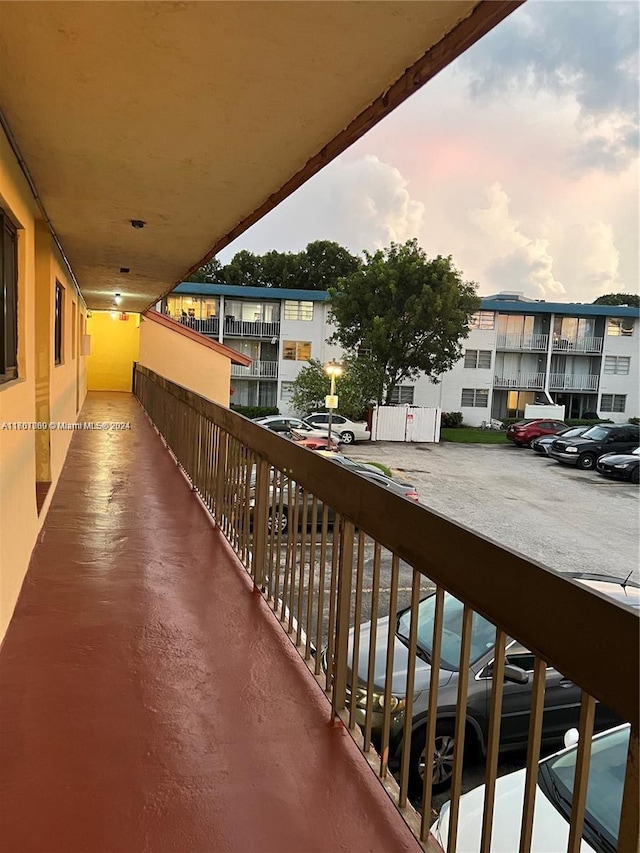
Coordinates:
(41, 387)
(115, 345)
(185, 362)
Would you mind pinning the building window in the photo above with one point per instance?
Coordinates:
(618, 364)
(478, 358)
(286, 392)
(402, 395)
(296, 310)
(617, 326)
(8, 300)
(296, 350)
(482, 320)
(613, 402)
(58, 322)
(475, 398)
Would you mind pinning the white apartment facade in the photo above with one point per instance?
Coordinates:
(519, 351)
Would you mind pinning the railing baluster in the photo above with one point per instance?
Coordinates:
(375, 595)
(292, 536)
(493, 739)
(357, 618)
(460, 726)
(581, 779)
(312, 573)
(629, 833)
(332, 600)
(345, 571)
(321, 581)
(411, 674)
(303, 561)
(388, 675)
(432, 714)
(533, 753)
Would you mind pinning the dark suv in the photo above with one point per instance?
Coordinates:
(585, 451)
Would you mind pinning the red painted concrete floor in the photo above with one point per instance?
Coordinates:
(148, 700)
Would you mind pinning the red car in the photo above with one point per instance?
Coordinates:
(314, 442)
(524, 432)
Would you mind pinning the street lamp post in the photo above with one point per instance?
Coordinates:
(333, 370)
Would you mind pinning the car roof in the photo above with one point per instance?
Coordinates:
(622, 590)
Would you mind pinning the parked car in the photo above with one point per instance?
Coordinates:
(375, 475)
(585, 451)
(621, 466)
(543, 443)
(524, 432)
(348, 430)
(562, 697)
(553, 801)
(283, 425)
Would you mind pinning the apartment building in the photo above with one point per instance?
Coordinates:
(519, 351)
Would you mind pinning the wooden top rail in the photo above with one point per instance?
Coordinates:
(588, 637)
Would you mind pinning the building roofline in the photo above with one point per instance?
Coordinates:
(275, 293)
(233, 355)
(572, 309)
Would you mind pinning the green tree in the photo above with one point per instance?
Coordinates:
(409, 313)
(631, 299)
(356, 387)
(323, 263)
(244, 269)
(210, 272)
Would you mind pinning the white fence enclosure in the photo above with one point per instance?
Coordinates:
(405, 423)
(542, 411)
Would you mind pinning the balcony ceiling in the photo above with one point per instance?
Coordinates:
(198, 118)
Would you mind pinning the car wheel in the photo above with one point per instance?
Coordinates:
(635, 475)
(530, 442)
(587, 462)
(347, 437)
(443, 758)
(278, 520)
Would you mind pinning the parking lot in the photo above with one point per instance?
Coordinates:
(567, 519)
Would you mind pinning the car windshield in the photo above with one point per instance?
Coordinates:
(595, 433)
(604, 790)
(483, 634)
(636, 452)
(573, 432)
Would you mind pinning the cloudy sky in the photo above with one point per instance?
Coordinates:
(520, 160)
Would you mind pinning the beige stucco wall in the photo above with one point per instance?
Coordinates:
(40, 387)
(184, 361)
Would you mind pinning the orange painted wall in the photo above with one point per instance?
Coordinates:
(185, 362)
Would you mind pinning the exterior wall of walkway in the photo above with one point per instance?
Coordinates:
(115, 345)
(43, 391)
(185, 362)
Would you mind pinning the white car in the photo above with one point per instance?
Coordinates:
(282, 424)
(552, 803)
(349, 431)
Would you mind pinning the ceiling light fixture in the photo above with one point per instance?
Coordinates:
(118, 299)
(138, 223)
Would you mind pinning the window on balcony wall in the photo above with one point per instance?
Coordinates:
(475, 398)
(8, 300)
(58, 324)
(478, 358)
(252, 312)
(296, 350)
(617, 326)
(298, 310)
(617, 364)
(286, 392)
(482, 320)
(402, 395)
(613, 402)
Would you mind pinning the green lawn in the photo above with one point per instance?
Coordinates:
(473, 435)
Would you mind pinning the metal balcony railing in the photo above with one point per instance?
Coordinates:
(257, 369)
(573, 382)
(522, 341)
(309, 533)
(583, 344)
(251, 329)
(519, 380)
(208, 326)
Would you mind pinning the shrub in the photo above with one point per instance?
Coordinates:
(449, 420)
(634, 420)
(255, 411)
(587, 421)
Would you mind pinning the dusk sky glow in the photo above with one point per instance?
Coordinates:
(520, 160)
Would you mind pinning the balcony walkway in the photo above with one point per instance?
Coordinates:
(149, 700)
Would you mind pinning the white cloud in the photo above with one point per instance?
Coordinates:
(592, 252)
(518, 262)
(361, 204)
